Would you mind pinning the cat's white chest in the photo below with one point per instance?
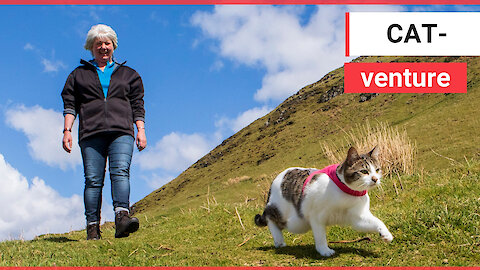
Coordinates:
(325, 203)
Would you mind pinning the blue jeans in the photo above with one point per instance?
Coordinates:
(118, 147)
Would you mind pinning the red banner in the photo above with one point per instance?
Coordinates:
(405, 78)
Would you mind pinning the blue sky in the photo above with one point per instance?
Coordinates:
(208, 72)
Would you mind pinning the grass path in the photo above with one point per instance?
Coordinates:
(435, 221)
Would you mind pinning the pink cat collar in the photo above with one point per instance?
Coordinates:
(331, 171)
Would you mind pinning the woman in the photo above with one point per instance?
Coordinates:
(108, 98)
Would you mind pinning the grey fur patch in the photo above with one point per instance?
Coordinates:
(273, 214)
(314, 178)
(292, 186)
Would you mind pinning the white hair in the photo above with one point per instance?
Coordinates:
(100, 31)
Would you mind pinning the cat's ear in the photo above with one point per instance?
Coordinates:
(374, 153)
(352, 155)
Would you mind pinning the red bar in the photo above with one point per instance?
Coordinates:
(239, 2)
(405, 78)
(347, 34)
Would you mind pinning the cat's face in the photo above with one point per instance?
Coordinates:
(362, 172)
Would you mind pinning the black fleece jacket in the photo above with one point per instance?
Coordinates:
(83, 95)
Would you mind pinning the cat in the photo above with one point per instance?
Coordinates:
(299, 204)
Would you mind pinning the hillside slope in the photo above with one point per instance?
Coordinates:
(291, 135)
(205, 216)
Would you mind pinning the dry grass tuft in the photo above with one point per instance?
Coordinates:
(210, 200)
(397, 152)
(264, 185)
(238, 179)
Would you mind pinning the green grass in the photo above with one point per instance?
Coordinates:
(192, 221)
(435, 220)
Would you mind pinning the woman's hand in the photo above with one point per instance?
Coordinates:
(67, 133)
(141, 139)
(67, 141)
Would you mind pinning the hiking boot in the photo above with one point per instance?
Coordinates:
(124, 224)
(93, 231)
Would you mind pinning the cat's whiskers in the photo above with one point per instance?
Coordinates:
(363, 185)
(380, 187)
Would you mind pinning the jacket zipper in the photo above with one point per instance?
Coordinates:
(108, 91)
(104, 99)
(101, 88)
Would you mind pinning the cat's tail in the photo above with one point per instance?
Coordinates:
(260, 220)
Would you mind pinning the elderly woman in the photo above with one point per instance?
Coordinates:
(108, 98)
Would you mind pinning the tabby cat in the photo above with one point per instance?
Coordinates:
(301, 199)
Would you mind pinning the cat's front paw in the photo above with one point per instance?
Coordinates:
(387, 237)
(280, 244)
(326, 252)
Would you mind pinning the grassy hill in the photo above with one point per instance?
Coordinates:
(204, 216)
(292, 134)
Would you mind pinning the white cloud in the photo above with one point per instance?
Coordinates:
(217, 66)
(43, 128)
(175, 152)
(374, 8)
(242, 120)
(28, 47)
(30, 209)
(274, 38)
(52, 65)
(293, 52)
